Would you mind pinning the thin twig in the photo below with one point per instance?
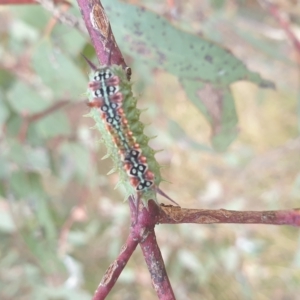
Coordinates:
(63, 17)
(177, 215)
(17, 2)
(77, 214)
(53, 21)
(35, 117)
(115, 269)
(284, 23)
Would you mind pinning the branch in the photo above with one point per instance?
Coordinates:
(284, 23)
(115, 269)
(56, 106)
(35, 117)
(101, 33)
(143, 231)
(156, 266)
(17, 2)
(177, 215)
(23, 2)
(63, 17)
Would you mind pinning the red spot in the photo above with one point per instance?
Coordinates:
(108, 127)
(143, 159)
(94, 85)
(149, 175)
(117, 98)
(97, 102)
(127, 166)
(116, 141)
(134, 181)
(112, 81)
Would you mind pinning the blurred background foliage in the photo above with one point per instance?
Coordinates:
(61, 221)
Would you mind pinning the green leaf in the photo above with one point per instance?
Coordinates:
(37, 159)
(26, 13)
(75, 161)
(6, 221)
(179, 134)
(218, 106)
(25, 100)
(4, 168)
(71, 41)
(26, 185)
(45, 219)
(53, 125)
(6, 79)
(17, 153)
(58, 72)
(218, 4)
(13, 125)
(29, 158)
(204, 68)
(154, 40)
(44, 252)
(4, 112)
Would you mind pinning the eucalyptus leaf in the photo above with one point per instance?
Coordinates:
(71, 41)
(179, 134)
(151, 38)
(75, 160)
(26, 13)
(25, 100)
(53, 125)
(45, 220)
(26, 185)
(4, 112)
(58, 71)
(6, 222)
(205, 69)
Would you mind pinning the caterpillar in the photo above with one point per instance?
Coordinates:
(117, 117)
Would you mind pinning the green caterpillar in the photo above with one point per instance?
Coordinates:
(117, 118)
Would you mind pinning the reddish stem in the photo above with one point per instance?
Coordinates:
(100, 32)
(171, 4)
(143, 230)
(115, 269)
(285, 25)
(30, 119)
(177, 215)
(156, 266)
(35, 117)
(56, 106)
(17, 2)
(25, 2)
